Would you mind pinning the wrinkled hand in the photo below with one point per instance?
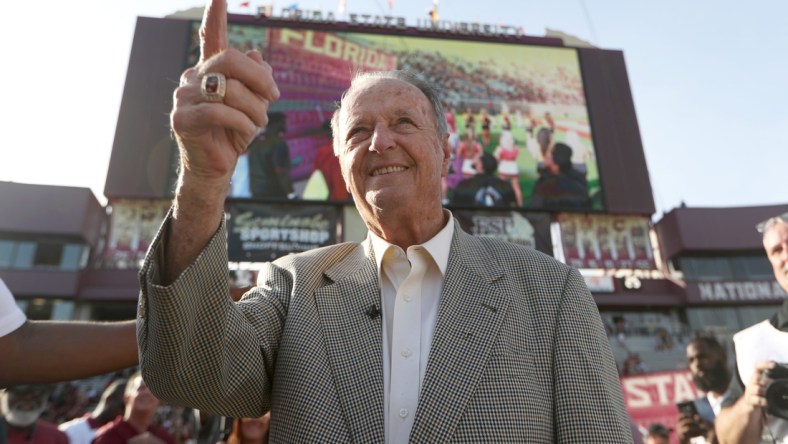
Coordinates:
(212, 135)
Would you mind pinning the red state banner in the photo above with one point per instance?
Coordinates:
(652, 397)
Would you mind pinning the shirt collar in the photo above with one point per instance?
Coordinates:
(780, 319)
(438, 247)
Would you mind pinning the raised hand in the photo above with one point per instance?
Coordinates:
(212, 127)
(213, 131)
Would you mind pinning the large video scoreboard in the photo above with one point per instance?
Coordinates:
(552, 126)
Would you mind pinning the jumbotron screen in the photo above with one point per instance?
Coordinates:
(519, 127)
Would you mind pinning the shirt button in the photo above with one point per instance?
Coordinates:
(403, 413)
(406, 353)
(407, 297)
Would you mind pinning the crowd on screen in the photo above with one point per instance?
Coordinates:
(463, 80)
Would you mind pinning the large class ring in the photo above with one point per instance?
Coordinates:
(213, 86)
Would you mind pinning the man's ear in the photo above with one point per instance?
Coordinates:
(446, 149)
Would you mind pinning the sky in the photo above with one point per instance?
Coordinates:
(709, 80)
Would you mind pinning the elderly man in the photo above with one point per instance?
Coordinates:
(758, 349)
(21, 407)
(422, 333)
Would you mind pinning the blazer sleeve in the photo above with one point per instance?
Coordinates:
(199, 348)
(589, 403)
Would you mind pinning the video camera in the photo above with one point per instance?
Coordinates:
(776, 392)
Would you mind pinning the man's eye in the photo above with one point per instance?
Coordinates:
(355, 133)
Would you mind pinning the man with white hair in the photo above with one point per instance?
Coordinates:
(21, 407)
(422, 333)
(746, 416)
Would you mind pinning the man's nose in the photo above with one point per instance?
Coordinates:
(382, 139)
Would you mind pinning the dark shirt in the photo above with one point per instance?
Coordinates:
(41, 433)
(120, 431)
(485, 191)
(568, 189)
(269, 167)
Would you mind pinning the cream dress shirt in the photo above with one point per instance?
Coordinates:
(410, 286)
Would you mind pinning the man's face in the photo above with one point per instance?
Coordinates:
(708, 367)
(23, 405)
(775, 242)
(390, 152)
(139, 396)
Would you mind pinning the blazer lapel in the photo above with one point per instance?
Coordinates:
(354, 340)
(469, 315)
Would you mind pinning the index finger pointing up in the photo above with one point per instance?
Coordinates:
(213, 31)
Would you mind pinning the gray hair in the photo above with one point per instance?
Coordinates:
(430, 90)
(767, 225)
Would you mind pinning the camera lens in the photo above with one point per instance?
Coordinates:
(777, 398)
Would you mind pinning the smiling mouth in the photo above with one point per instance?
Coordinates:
(387, 170)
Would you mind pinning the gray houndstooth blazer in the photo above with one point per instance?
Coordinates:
(519, 353)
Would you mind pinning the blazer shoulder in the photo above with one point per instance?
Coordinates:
(506, 252)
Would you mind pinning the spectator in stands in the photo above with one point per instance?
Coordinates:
(110, 406)
(80, 349)
(658, 434)
(137, 420)
(21, 407)
(708, 363)
(250, 430)
(633, 365)
(758, 349)
(664, 341)
(620, 328)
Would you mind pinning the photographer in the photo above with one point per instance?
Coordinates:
(708, 363)
(753, 413)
